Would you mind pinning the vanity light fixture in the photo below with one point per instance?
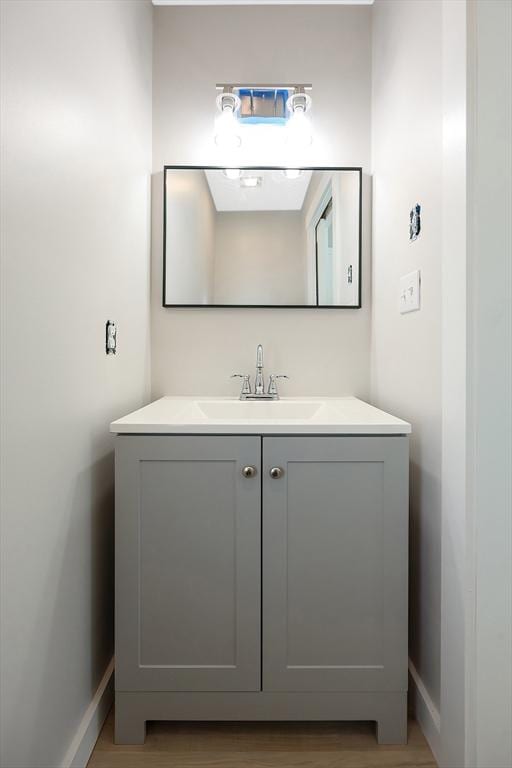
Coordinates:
(233, 174)
(292, 173)
(227, 135)
(262, 105)
(299, 132)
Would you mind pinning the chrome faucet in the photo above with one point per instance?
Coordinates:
(259, 382)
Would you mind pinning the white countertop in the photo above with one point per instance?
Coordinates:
(289, 415)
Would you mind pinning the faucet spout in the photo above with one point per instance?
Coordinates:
(259, 383)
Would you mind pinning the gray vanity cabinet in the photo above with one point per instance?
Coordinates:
(335, 564)
(187, 564)
(278, 592)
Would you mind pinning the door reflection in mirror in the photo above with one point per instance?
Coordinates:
(324, 257)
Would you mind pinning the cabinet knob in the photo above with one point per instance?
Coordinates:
(249, 471)
(276, 472)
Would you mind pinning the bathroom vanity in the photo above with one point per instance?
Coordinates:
(261, 563)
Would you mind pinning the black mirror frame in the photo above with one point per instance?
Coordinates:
(263, 306)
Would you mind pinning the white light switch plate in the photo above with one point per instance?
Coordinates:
(410, 292)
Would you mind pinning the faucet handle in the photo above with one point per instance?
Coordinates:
(246, 385)
(272, 386)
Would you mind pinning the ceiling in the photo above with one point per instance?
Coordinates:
(275, 193)
(263, 2)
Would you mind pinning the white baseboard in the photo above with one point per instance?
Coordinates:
(425, 711)
(89, 729)
(78, 754)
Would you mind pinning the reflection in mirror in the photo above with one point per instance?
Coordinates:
(262, 237)
(324, 261)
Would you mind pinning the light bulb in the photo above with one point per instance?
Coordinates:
(299, 129)
(292, 173)
(226, 130)
(232, 173)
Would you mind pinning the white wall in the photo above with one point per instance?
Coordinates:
(76, 142)
(489, 426)
(406, 349)
(259, 258)
(323, 351)
(190, 240)
(454, 549)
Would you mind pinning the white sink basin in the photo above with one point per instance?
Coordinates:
(249, 410)
(224, 415)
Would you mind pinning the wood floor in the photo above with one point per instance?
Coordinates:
(260, 745)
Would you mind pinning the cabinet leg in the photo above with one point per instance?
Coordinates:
(392, 725)
(130, 727)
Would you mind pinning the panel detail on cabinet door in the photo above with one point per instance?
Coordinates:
(335, 564)
(334, 569)
(186, 546)
(188, 563)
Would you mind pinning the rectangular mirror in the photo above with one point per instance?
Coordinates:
(262, 237)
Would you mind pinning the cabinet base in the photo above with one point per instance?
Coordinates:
(134, 708)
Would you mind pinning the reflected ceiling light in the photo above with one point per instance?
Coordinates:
(292, 173)
(227, 135)
(233, 174)
(250, 181)
(299, 132)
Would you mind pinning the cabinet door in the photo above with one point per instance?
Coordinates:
(335, 564)
(188, 562)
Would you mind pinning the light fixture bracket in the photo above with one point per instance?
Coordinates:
(295, 87)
